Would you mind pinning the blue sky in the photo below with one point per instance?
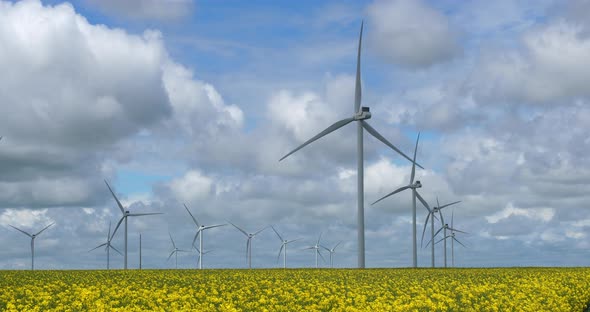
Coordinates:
(193, 102)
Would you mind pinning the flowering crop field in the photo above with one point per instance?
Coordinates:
(510, 289)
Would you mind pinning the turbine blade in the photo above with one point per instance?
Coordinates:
(293, 240)
(442, 219)
(97, 247)
(447, 205)
(144, 214)
(452, 215)
(357, 86)
(423, 201)
(213, 226)
(455, 230)
(109, 234)
(442, 239)
(237, 227)
(436, 233)
(379, 137)
(392, 193)
(414, 160)
(311, 247)
(196, 236)
(115, 249)
(189, 212)
(319, 238)
(264, 228)
(116, 199)
(318, 251)
(424, 229)
(173, 244)
(45, 228)
(459, 242)
(279, 235)
(172, 253)
(27, 234)
(337, 244)
(280, 250)
(247, 246)
(117, 227)
(326, 248)
(337, 125)
(437, 203)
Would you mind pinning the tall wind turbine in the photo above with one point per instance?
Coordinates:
(126, 214)
(32, 236)
(433, 213)
(200, 229)
(175, 251)
(413, 186)
(249, 237)
(317, 247)
(284, 243)
(360, 114)
(332, 251)
(108, 247)
(453, 240)
(444, 228)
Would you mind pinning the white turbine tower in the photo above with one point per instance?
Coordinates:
(444, 228)
(199, 253)
(249, 237)
(453, 240)
(433, 213)
(284, 243)
(360, 115)
(175, 251)
(413, 186)
(317, 247)
(126, 214)
(32, 236)
(200, 229)
(332, 251)
(108, 247)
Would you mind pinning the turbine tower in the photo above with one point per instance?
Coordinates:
(249, 237)
(200, 229)
(175, 251)
(413, 186)
(108, 247)
(126, 214)
(453, 239)
(360, 115)
(332, 251)
(32, 236)
(284, 243)
(433, 213)
(317, 247)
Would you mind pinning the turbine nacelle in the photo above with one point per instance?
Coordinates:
(363, 114)
(416, 185)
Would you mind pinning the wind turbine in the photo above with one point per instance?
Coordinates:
(433, 213)
(126, 214)
(284, 243)
(32, 236)
(317, 247)
(453, 239)
(332, 251)
(444, 228)
(413, 186)
(360, 114)
(175, 251)
(108, 247)
(200, 229)
(249, 237)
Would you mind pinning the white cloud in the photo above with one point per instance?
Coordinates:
(410, 33)
(541, 214)
(192, 187)
(26, 219)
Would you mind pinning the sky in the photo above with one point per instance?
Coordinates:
(194, 102)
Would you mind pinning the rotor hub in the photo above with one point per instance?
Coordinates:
(363, 114)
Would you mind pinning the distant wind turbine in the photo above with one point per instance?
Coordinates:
(444, 228)
(413, 186)
(108, 247)
(284, 243)
(126, 214)
(332, 251)
(433, 213)
(360, 115)
(175, 251)
(32, 236)
(453, 240)
(317, 247)
(200, 232)
(249, 237)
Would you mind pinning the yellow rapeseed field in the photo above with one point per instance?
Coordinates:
(512, 289)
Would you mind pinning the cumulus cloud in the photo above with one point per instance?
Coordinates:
(164, 10)
(411, 33)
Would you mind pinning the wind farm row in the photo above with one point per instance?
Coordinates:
(360, 115)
